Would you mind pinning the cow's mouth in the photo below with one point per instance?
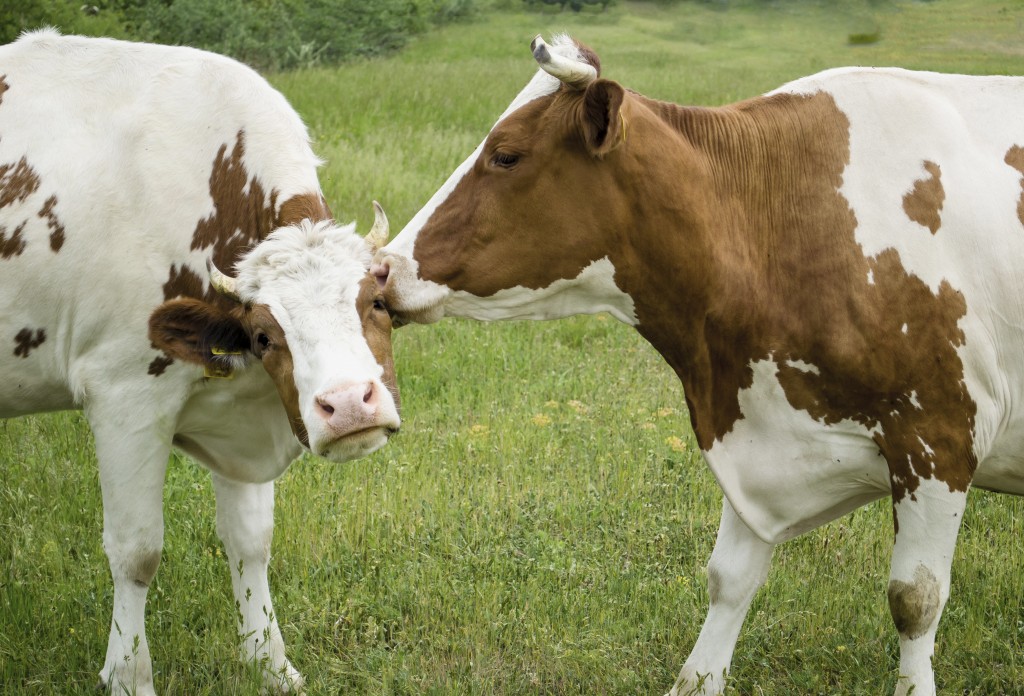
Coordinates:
(358, 443)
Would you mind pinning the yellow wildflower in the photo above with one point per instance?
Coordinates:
(675, 443)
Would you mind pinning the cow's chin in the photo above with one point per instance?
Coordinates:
(354, 445)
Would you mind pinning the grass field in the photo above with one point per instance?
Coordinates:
(541, 524)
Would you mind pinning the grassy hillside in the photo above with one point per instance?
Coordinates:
(541, 524)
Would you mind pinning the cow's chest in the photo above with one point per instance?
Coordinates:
(785, 472)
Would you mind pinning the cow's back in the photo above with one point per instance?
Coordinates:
(123, 168)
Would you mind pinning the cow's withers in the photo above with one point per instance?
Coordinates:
(827, 269)
(168, 264)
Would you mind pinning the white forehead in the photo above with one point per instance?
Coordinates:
(295, 265)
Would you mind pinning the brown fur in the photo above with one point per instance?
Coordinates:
(18, 181)
(27, 340)
(376, 324)
(54, 223)
(1015, 158)
(924, 203)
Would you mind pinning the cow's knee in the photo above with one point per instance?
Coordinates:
(731, 583)
(136, 563)
(915, 604)
(248, 537)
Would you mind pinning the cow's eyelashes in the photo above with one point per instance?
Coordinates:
(505, 160)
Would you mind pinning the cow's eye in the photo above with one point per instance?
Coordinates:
(263, 341)
(378, 304)
(506, 160)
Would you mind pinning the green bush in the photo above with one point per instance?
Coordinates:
(268, 34)
(70, 17)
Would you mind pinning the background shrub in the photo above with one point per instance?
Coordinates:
(267, 34)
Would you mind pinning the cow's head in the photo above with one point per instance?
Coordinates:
(524, 227)
(300, 302)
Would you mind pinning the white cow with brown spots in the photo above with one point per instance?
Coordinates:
(126, 171)
(833, 270)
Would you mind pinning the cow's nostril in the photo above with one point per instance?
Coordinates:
(368, 395)
(381, 271)
(325, 407)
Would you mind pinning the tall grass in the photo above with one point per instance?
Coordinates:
(541, 524)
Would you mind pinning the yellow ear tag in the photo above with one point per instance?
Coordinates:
(218, 371)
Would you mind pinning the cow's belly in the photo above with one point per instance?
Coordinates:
(1002, 470)
(784, 472)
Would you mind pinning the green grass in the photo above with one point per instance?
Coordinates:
(541, 524)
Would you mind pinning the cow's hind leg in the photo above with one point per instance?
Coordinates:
(927, 525)
(132, 463)
(737, 569)
(245, 523)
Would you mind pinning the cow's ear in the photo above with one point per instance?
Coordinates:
(196, 332)
(603, 126)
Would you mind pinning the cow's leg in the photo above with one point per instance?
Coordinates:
(737, 569)
(245, 523)
(132, 463)
(927, 525)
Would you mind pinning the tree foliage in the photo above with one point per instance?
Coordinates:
(268, 34)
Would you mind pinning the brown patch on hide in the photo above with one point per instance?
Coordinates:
(159, 364)
(27, 340)
(243, 211)
(1015, 158)
(924, 202)
(18, 181)
(54, 223)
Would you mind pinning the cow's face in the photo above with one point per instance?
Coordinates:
(304, 306)
(523, 227)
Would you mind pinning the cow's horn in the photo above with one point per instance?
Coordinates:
(380, 231)
(575, 73)
(221, 282)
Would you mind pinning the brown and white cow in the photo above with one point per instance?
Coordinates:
(125, 170)
(833, 270)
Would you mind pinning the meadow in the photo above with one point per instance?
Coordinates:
(542, 522)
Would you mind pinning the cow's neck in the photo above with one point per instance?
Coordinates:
(755, 207)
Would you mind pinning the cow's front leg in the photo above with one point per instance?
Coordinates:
(737, 569)
(245, 523)
(132, 466)
(927, 525)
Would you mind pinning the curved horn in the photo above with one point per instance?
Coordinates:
(575, 73)
(379, 233)
(221, 282)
